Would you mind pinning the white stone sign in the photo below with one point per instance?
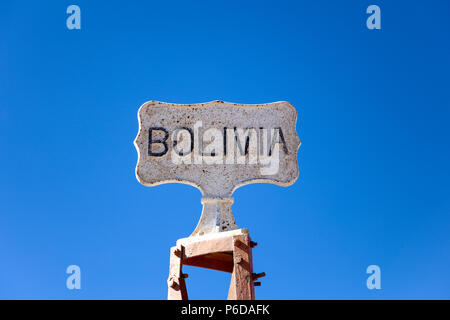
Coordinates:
(217, 147)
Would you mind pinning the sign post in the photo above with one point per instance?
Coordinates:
(216, 147)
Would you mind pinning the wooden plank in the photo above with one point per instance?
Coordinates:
(195, 249)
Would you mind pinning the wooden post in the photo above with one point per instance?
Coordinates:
(176, 282)
(241, 287)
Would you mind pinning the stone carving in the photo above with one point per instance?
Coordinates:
(217, 147)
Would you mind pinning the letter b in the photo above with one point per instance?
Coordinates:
(162, 141)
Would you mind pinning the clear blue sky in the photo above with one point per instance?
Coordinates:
(374, 116)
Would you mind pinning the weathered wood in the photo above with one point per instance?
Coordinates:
(228, 252)
(214, 262)
(195, 249)
(256, 276)
(241, 287)
(176, 283)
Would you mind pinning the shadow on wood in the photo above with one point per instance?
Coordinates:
(229, 251)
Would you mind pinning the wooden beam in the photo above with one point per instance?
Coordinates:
(217, 261)
(200, 248)
(176, 283)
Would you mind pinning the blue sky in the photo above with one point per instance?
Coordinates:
(374, 115)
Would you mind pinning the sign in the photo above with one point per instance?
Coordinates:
(217, 147)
